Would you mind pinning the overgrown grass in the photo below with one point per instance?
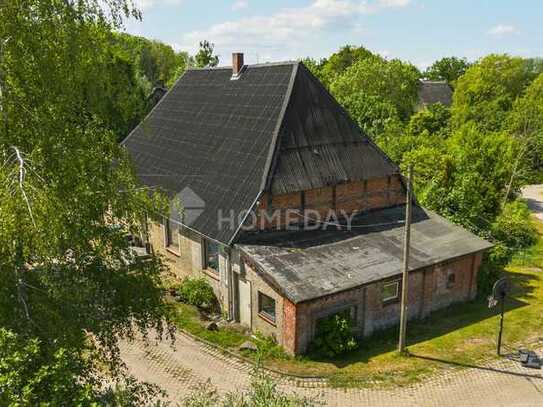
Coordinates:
(187, 317)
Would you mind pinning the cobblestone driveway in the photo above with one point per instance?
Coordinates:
(189, 364)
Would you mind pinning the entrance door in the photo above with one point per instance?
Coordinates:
(245, 302)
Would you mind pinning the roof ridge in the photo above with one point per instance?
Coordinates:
(259, 65)
(273, 144)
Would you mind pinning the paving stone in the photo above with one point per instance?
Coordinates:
(189, 364)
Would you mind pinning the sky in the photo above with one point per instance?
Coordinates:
(418, 31)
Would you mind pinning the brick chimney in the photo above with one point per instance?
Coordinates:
(237, 64)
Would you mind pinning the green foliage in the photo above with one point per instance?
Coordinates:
(373, 114)
(492, 268)
(315, 67)
(525, 122)
(392, 81)
(447, 69)
(62, 260)
(434, 119)
(268, 347)
(487, 91)
(28, 376)
(205, 58)
(338, 62)
(334, 336)
(468, 183)
(142, 65)
(263, 392)
(197, 292)
(513, 226)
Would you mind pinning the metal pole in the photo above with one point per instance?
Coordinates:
(502, 310)
(407, 237)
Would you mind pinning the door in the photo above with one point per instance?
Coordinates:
(244, 302)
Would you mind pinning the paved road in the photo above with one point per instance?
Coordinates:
(534, 197)
(189, 364)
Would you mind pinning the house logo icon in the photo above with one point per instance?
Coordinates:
(192, 206)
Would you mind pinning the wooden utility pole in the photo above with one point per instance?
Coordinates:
(407, 238)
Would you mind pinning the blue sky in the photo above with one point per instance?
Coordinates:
(419, 31)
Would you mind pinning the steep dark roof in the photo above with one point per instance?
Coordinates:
(275, 128)
(213, 135)
(304, 265)
(431, 92)
(320, 145)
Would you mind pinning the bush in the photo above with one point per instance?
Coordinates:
(334, 335)
(493, 265)
(268, 347)
(514, 226)
(197, 292)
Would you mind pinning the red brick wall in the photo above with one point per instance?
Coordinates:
(289, 325)
(350, 197)
(428, 291)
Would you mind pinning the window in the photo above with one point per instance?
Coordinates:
(171, 236)
(391, 291)
(211, 256)
(451, 279)
(266, 307)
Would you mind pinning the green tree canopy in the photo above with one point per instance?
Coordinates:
(447, 69)
(392, 81)
(433, 119)
(487, 91)
(466, 177)
(205, 57)
(68, 199)
(339, 61)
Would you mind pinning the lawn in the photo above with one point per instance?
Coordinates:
(459, 336)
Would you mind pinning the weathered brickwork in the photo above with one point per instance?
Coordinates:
(279, 211)
(429, 289)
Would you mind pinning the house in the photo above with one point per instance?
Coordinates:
(431, 92)
(289, 210)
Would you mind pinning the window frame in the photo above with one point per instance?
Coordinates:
(169, 243)
(391, 299)
(205, 261)
(262, 313)
(451, 280)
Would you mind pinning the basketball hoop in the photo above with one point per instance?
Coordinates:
(499, 293)
(492, 302)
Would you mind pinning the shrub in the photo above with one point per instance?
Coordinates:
(514, 226)
(334, 335)
(197, 292)
(268, 347)
(493, 265)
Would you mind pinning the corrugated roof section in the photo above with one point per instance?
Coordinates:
(320, 144)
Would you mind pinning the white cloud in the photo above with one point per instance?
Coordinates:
(148, 4)
(240, 4)
(502, 29)
(288, 30)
